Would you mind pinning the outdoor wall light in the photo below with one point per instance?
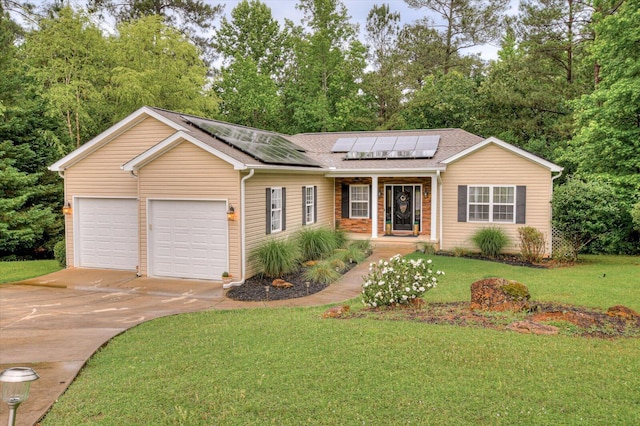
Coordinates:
(15, 388)
(67, 209)
(426, 193)
(231, 213)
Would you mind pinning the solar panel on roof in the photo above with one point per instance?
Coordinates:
(363, 144)
(405, 143)
(384, 143)
(267, 147)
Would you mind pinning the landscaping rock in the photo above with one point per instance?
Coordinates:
(498, 294)
(621, 311)
(336, 311)
(530, 327)
(280, 283)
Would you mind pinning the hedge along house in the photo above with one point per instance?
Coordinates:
(173, 195)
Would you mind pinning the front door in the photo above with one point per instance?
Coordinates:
(402, 208)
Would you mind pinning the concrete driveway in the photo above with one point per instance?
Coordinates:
(56, 322)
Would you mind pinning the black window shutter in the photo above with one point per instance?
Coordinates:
(521, 204)
(268, 202)
(315, 204)
(370, 199)
(345, 200)
(304, 205)
(462, 203)
(284, 208)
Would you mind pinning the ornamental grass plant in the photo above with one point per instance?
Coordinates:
(490, 240)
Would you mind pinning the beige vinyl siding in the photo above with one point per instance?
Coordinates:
(99, 174)
(493, 165)
(256, 207)
(190, 173)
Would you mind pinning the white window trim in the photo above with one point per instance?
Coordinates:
(491, 204)
(272, 210)
(309, 207)
(352, 202)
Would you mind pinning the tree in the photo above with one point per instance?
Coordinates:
(253, 34)
(29, 196)
(383, 82)
(322, 90)
(444, 101)
(465, 23)
(607, 139)
(66, 56)
(157, 65)
(192, 17)
(248, 97)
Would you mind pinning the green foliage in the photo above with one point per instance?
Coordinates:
(635, 215)
(323, 272)
(607, 139)
(316, 243)
(362, 245)
(490, 240)
(532, 243)
(427, 248)
(398, 281)
(584, 211)
(155, 64)
(60, 253)
(276, 257)
(351, 254)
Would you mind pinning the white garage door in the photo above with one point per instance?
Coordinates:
(188, 239)
(107, 233)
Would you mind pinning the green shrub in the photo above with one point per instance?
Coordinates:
(490, 240)
(532, 244)
(427, 248)
(340, 237)
(362, 245)
(398, 281)
(322, 272)
(316, 243)
(460, 251)
(60, 253)
(276, 257)
(351, 254)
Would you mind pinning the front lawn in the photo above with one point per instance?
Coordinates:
(290, 366)
(21, 270)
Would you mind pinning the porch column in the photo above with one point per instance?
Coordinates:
(374, 207)
(434, 207)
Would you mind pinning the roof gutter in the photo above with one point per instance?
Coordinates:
(243, 234)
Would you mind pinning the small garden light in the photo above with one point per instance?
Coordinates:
(15, 388)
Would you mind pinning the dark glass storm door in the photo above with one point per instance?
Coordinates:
(402, 207)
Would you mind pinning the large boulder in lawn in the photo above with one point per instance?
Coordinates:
(498, 294)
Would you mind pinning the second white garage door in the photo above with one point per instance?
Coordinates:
(187, 239)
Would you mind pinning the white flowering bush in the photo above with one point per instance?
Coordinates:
(398, 281)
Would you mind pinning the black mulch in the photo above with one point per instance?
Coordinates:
(254, 289)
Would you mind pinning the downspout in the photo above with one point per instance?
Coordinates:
(551, 214)
(243, 249)
(439, 180)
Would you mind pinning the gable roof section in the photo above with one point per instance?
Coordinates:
(514, 149)
(112, 132)
(169, 143)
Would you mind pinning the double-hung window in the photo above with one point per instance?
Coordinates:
(359, 201)
(492, 203)
(276, 209)
(309, 207)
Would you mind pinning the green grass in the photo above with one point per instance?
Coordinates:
(289, 366)
(16, 271)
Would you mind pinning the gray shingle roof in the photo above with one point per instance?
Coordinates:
(318, 146)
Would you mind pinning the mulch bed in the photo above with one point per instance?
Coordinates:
(572, 320)
(254, 288)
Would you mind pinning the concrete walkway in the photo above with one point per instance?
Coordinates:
(56, 322)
